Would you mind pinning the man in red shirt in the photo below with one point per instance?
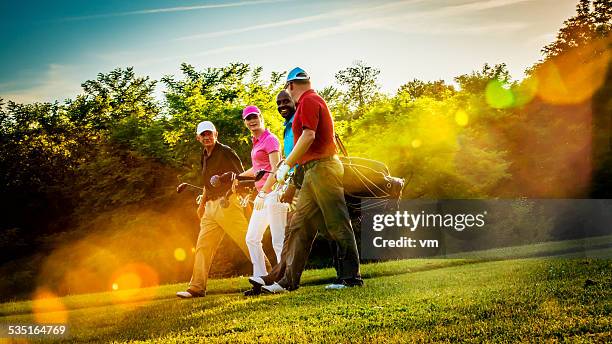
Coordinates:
(322, 193)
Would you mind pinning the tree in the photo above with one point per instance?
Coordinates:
(360, 81)
(218, 95)
(435, 89)
(580, 55)
(477, 81)
(593, 20)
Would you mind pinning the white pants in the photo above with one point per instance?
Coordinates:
(274, 214)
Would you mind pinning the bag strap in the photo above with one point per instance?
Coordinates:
(340, 145)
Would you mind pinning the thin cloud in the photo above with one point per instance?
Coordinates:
(486, 5)
(370, 11)
(258, 27)
(334, 14)
(173, 9)
(392, 22)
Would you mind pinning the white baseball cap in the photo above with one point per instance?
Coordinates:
(205, 126)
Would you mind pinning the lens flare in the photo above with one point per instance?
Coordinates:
(131, 282)
(498, 95)
(180, 254)
(574, 76)
(48, 308)
(128, 281)
(461, 118)
(525, 91)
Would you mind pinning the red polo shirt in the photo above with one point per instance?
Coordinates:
(312, 113)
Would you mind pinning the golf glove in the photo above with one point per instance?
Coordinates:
(281, 173)
(258, 204)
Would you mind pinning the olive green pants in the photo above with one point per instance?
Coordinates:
(320, 207)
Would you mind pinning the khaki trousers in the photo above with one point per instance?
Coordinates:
(215, 224)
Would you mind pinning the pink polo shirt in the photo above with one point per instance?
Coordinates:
(262, 147)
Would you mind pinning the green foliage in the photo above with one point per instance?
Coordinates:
(434, 89)
(218, 95)
(360, 81)
(476, 82)
(593, 20)
(440, 144)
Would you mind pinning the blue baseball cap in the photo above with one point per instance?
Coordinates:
(297, 73)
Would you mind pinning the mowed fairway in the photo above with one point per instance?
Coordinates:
(421, 300)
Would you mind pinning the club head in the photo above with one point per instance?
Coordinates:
(181, 187)
(215, 181)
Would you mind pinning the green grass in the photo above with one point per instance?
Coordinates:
(421, 300)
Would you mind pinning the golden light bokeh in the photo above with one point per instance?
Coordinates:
(462, 118)
(118, 241)
(48, 308)
(180, 254)
(416, 143)
(128, 281)
(131, 282)
(574, 76)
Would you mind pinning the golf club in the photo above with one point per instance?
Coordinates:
(182, 186)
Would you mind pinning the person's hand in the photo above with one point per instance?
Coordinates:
(281, 173)
(288, 195)
(259, 201)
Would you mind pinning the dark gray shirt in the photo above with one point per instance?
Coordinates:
(222, 159)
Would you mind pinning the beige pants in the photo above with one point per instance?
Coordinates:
(216, 222)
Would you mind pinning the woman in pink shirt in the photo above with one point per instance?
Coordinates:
(267, 209)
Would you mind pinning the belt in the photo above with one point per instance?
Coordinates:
(312, 163)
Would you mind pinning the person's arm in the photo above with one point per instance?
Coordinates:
(248, 173)
(301, 147)
(274, 158)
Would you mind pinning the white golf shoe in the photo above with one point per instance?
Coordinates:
(273, 289)
(335, 286)
(257, 281)
(190, 294)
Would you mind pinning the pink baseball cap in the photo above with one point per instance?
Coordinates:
(250, 110)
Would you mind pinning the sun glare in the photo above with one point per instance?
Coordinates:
(461, 118)
(48, 307)
(180, 254)
(575, 76)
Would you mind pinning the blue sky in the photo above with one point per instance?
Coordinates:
(50, 47)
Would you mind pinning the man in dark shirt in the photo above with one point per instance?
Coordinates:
(322, 193)
(215, 219)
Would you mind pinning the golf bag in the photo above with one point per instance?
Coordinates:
(369, 179)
